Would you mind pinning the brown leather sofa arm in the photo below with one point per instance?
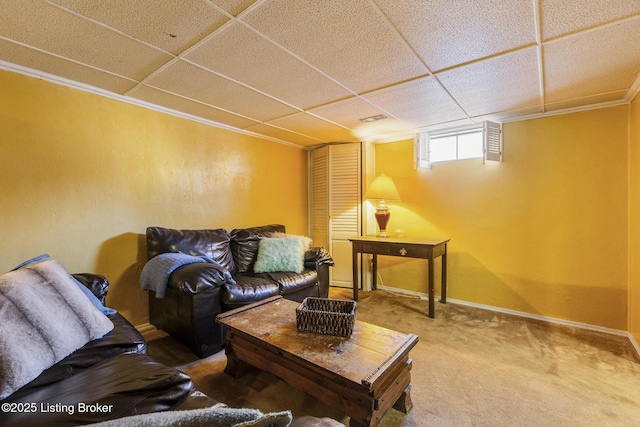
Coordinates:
(197, 278)
(316, 256)
(97, 284)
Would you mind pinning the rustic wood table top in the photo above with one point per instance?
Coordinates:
(363, 358)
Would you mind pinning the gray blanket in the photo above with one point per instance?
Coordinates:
(156, 272)
(214, 416)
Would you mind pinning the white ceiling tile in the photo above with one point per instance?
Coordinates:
(37, 60)
(500, 83)
(446, 33)
(283, 135)
(567, 16)
(245, 56)
(174, 102)
(601, 61)
(347, 112)
(348, 40)
(171, 25)
(379, 128)
(307, 124)
(195, 83)
(420, 102)
(68, 35)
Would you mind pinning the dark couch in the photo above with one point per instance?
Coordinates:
(110, 377)
(195, 293)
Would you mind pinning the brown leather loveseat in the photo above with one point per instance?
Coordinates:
(194, 275)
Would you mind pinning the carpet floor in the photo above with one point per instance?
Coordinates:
(471, 367)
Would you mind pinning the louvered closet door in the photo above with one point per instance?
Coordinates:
(340, 202)
(319, 206)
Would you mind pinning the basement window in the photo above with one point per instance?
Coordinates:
(476, 142)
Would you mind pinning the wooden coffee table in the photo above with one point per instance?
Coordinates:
(364, 375)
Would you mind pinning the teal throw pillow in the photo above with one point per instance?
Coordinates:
(284, 253)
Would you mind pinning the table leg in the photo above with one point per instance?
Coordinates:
(374, 272)
(404, 404)
(354, 263)
(235, 367)
(443, 292)
(431, 279)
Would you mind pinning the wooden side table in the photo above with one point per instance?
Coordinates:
(429, 249)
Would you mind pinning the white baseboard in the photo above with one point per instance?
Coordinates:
(634, 343)
(580, 325)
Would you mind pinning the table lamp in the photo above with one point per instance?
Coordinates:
(382, 188)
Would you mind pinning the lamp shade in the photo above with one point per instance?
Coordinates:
(382, 188)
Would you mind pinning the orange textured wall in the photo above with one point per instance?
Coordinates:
(83, 176)
(544, 232)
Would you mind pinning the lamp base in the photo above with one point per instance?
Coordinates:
(382, 217)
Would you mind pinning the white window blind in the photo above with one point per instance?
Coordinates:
(492, 140)
(421, 149)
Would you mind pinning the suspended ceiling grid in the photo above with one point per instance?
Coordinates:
(306, 72)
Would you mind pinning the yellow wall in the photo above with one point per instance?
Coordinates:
(634, 219)
(545, 232)
(83, 176)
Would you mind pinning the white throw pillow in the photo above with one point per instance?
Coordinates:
(44, 317)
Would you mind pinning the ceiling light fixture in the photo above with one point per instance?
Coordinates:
(373, 118)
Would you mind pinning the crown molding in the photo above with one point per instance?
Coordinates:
(633, 90)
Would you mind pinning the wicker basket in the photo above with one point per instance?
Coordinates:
(326, 316)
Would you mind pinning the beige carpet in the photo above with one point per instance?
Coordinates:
(471, 368)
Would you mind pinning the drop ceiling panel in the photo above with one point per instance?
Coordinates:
(567, 16)
(34, 59)
(347, 112)
(283, 135)
(195, 83)
(601, 61)
(501, 83)
(307, 124)
(446, 33)
(419, 103)
(164, 99)
(245, 56)
(171, 25)
(379, 128)
(348, 40)
(71, 36)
